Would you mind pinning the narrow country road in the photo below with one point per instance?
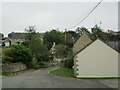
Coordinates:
(42, 79)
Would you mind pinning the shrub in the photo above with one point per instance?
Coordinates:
(19, 53)
(26, 43)
(7, 59)
(33, 63)
(39, 65)
(69, 62)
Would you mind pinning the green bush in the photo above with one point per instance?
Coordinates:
(39, 65)
(19, 53)
(26, 43)
(69, 63)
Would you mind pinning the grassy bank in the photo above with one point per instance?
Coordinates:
(63, 72)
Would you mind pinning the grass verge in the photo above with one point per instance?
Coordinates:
(66, 72)
(63, 72)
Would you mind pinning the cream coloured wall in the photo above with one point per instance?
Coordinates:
(97, 60)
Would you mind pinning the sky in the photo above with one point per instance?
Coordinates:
(16, 16)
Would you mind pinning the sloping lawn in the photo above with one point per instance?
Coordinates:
(63, 72)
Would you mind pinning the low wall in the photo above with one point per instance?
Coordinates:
(13, 67)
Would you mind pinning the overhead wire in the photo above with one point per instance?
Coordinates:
(86, 15)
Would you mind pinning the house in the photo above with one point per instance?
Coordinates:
(97, 59)
(6, 42)
(18, 38)
(113, 32)
(82, 42)
(56, 60)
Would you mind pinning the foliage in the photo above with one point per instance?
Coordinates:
(39, 50)
(82, 30)
(60, 50)
(69, 52)
(53, 36)
(74, 34)
(71, 37)
(26, 43)
(97, 32)
(7, 59)
(31, 33)
(19, 53)
(39, 65)
(69, 62)
(63, 72)
(69, 40)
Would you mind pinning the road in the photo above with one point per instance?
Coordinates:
(42, 79)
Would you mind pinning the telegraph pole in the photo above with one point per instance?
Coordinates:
(65, 44)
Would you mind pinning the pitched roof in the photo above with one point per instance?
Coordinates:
(112, 45)
(22, 35)
(81, 43)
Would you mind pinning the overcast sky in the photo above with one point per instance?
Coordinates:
(16, 16)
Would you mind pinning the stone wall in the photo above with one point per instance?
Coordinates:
(13, 67)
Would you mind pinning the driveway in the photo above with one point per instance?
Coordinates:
(42, 79)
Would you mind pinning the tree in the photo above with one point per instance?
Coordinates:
(69, 40)
(74, 34)
(97, 32)
(39, 50)
(82, 30)
(31, 33)
(36, 45)
(71, 37)
(53, 36)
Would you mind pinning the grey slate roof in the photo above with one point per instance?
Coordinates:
(114, 44)
(22, 35)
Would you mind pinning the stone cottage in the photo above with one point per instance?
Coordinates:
(17, 38)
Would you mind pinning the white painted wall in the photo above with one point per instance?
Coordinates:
(7, 44)
(98, 60)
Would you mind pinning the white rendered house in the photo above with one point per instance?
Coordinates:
(96, 60)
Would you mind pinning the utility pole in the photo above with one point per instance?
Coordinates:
(65, 44)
